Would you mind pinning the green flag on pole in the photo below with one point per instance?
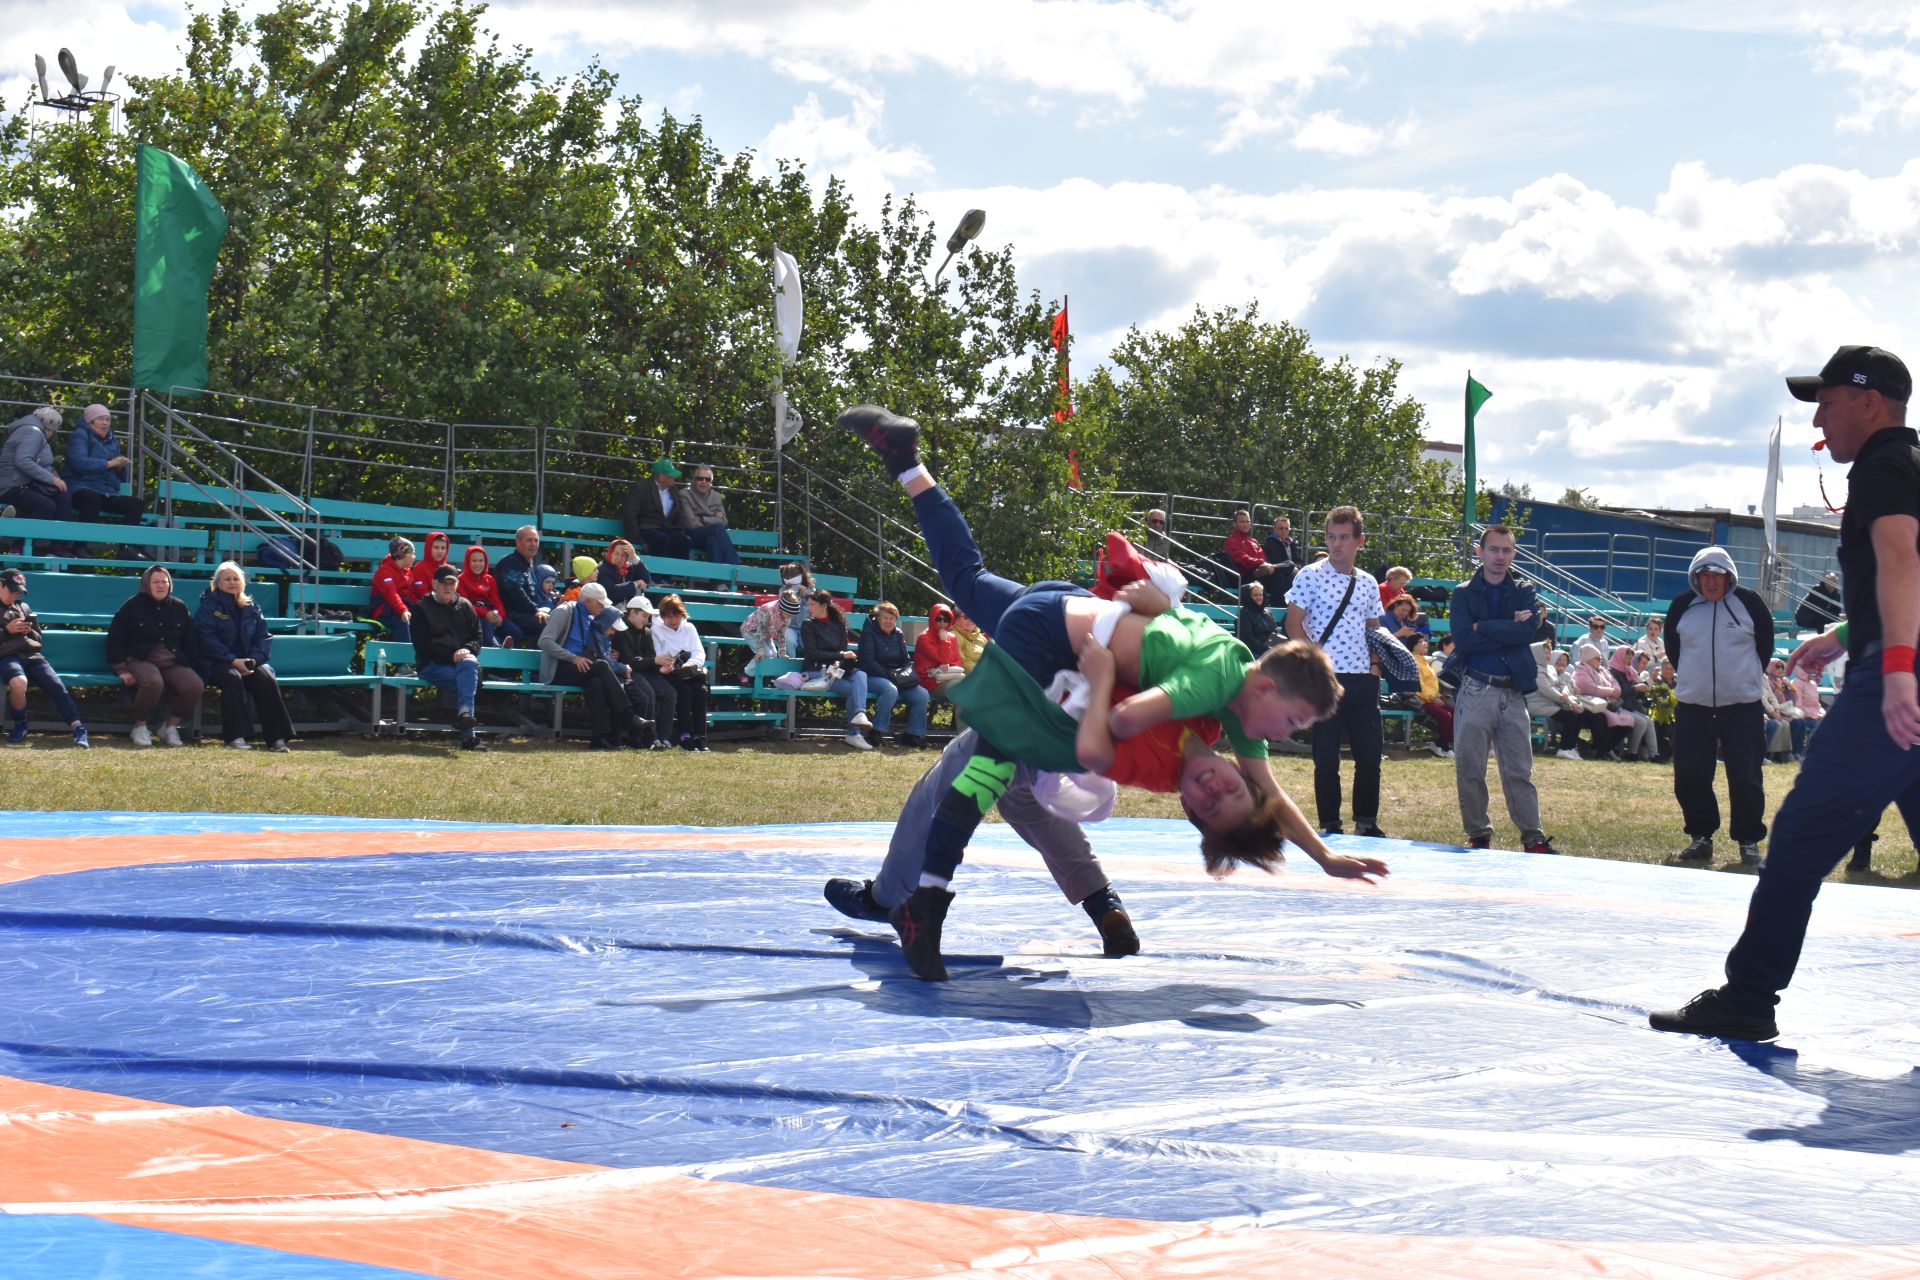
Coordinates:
(1477, 395)
(178, 227)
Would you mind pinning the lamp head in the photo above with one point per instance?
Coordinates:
(970, 225)
(71, 70)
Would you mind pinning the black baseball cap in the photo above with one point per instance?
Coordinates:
(444, 572)
(13, 580)
(1863, 369)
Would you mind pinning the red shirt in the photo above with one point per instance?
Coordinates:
(1151, 760)
(1246, 554)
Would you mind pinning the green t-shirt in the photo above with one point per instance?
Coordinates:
(1200, 667)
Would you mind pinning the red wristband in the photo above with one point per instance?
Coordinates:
(1896, 659)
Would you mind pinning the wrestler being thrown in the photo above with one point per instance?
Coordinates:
(1183, 665)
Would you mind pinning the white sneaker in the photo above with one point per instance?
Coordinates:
(1568, 754)
(141, 736)
(854, 739)
(240, 744)
(1438, 750)
(279, 745)
(860, 720)
(169, 735)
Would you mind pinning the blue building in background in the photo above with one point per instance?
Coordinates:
(1643, 554)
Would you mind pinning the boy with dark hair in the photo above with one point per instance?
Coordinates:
(1334, 603)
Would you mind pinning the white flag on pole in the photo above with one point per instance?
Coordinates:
(786, 303)
(786, 425)
(1770, 500)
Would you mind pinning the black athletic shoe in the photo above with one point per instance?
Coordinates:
(853, 898)
(473, 744)
(464, 719)
(1699, 849)
(918, 921)
(1371, 832)
(1109, 915)
(1542, 845)
(603, 744)
(894, 438)
(1480, 842)
(1709, 1014)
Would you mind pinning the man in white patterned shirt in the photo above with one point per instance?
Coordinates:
(1334, 603)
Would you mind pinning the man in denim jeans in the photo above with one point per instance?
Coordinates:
(446, 645)
(1492, 620)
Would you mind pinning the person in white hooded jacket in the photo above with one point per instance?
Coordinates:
(1719, 638)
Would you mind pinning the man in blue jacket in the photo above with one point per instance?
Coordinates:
(1492, 621)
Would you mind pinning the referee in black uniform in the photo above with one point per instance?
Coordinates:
(1864, 756)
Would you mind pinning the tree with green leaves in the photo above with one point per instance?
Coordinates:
(1237, 407)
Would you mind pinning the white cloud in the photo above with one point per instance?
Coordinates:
(1256, 57)
(847, 147)
(1329, 132)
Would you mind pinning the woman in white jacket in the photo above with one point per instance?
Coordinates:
(683, 661)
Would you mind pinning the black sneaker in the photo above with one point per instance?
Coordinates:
(1480, 842)
(603, 744)
(1109, 915)
(1371, 832)
(1542, 845)
(1709, 1014)
(473, 744)
(918, 921)
(1698, 850)
(894, 438)
(1749, 854)
(853, 898)
(464, 719)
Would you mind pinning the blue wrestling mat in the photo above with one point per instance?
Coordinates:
(270, 1046)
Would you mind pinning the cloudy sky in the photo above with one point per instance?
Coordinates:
(1629, 220)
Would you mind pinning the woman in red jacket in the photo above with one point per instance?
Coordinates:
(936, 654)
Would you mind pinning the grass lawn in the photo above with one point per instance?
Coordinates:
(1590, 808)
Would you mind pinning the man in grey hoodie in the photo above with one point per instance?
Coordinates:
(1719, 639)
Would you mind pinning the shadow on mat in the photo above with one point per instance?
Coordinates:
(1014, 994)
(1880, 1117)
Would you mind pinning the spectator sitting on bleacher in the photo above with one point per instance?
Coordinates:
(683, 660)
(446, 650)
(890, 675)
(652, 699)
(1642, 743)
(765, 629)
(1595, 641)
(234, 653)
(1256, 624)
(824, 648)
(794, 574)
(656, 512)
(1394, 585)
(936, 654)
(546, 594)
(392, 607)
(1652, 645)
(96, 470)
(622, 572)
(585, 569)
(154, 648)
(29, 486)
(519, 592)
(1405, 620)
(573, 652)
(1241, 553)
(1436, 707)
(478, 588)
(435, 551)
(1593, 681)
(709, 533)
(970, 638)
(20, 661)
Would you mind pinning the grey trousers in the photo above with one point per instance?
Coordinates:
(1485, 716)
(1061, 844)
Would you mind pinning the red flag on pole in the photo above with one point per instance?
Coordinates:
(1059, 339)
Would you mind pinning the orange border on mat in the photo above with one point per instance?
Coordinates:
(470, 1214)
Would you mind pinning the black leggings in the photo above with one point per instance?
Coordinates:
(264, 691)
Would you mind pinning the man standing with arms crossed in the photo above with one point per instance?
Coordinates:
(1492, 620)
(1863, 758)
(1334, 604)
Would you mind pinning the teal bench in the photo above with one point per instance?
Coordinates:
(97, 533)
